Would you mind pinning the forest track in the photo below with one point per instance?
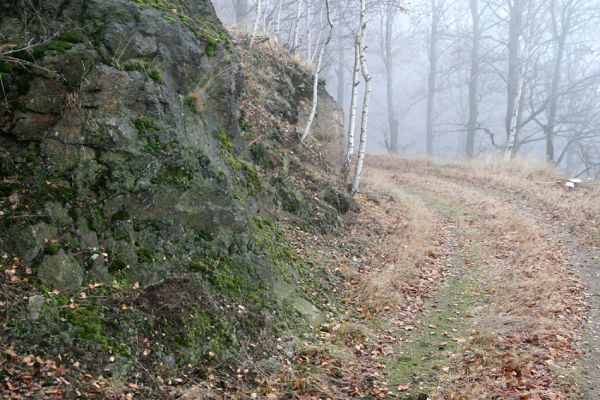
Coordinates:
(581, 258)
(526, 309)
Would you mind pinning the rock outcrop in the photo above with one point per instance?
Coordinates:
(122, 120)
(127, 166)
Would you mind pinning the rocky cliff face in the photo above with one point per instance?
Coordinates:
(125, 122)
(133, 203)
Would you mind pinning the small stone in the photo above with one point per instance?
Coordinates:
(58, 213)
(169, 362)
(29, 242)
(34, 306)
(61, 271)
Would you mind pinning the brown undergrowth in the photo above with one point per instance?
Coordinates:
(385, 279)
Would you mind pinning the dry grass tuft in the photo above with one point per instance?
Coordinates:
(409, 230)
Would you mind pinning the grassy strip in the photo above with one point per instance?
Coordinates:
(433, 348)
(431, 351)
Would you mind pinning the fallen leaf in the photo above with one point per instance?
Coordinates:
(404, 387)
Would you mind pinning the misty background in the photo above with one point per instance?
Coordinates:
(454, 79)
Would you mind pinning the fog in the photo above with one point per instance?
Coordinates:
(455, 79)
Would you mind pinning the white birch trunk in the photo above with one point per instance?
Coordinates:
(297, 25)
(522, 64)
(514, 120)
(316, 52)
(263, 16)
(278, 21)
(315, 99)
(365, 112)
(308, 29)
(256, 21)
(352, 117)
(513, 79)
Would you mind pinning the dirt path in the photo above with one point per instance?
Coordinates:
(587, 265)
(581, 258)
(509, 321)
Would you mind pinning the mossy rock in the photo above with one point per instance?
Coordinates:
(28, 241)
(339, 200)
(61, 271)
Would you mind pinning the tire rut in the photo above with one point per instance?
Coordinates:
(582, 259)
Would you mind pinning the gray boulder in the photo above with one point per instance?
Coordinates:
(61, 271)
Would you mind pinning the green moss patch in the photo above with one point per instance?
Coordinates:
(89, 323)
(71, 37)
(60, 46)
(147, 70)
(207, 31)
(52, 248)
(225, 141)
(253, 181)
(6, 67)
(147, 128)
(177, 176)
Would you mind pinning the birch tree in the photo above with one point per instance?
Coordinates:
(297, 25)
(353, 107)
(365, 112)
(277, 20)
(474, 78)
(307, 22)
(341, 68)
(515, 79)
(436, 14)
(314, 54)
(318, 66)
(256, 21)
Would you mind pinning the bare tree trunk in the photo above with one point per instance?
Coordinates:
(432, 80)
(256, 21)
(297, 25)
(365, 112)
(560, 37)
(474, 80)
(241, 13)
(308, 20)
(315, 99)
(571, 163)
(389, 70)
(341, 71)
(513, 80)
(278, 21)
(353, 105)
(511, 143)
(316, 52)
(264, 15)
